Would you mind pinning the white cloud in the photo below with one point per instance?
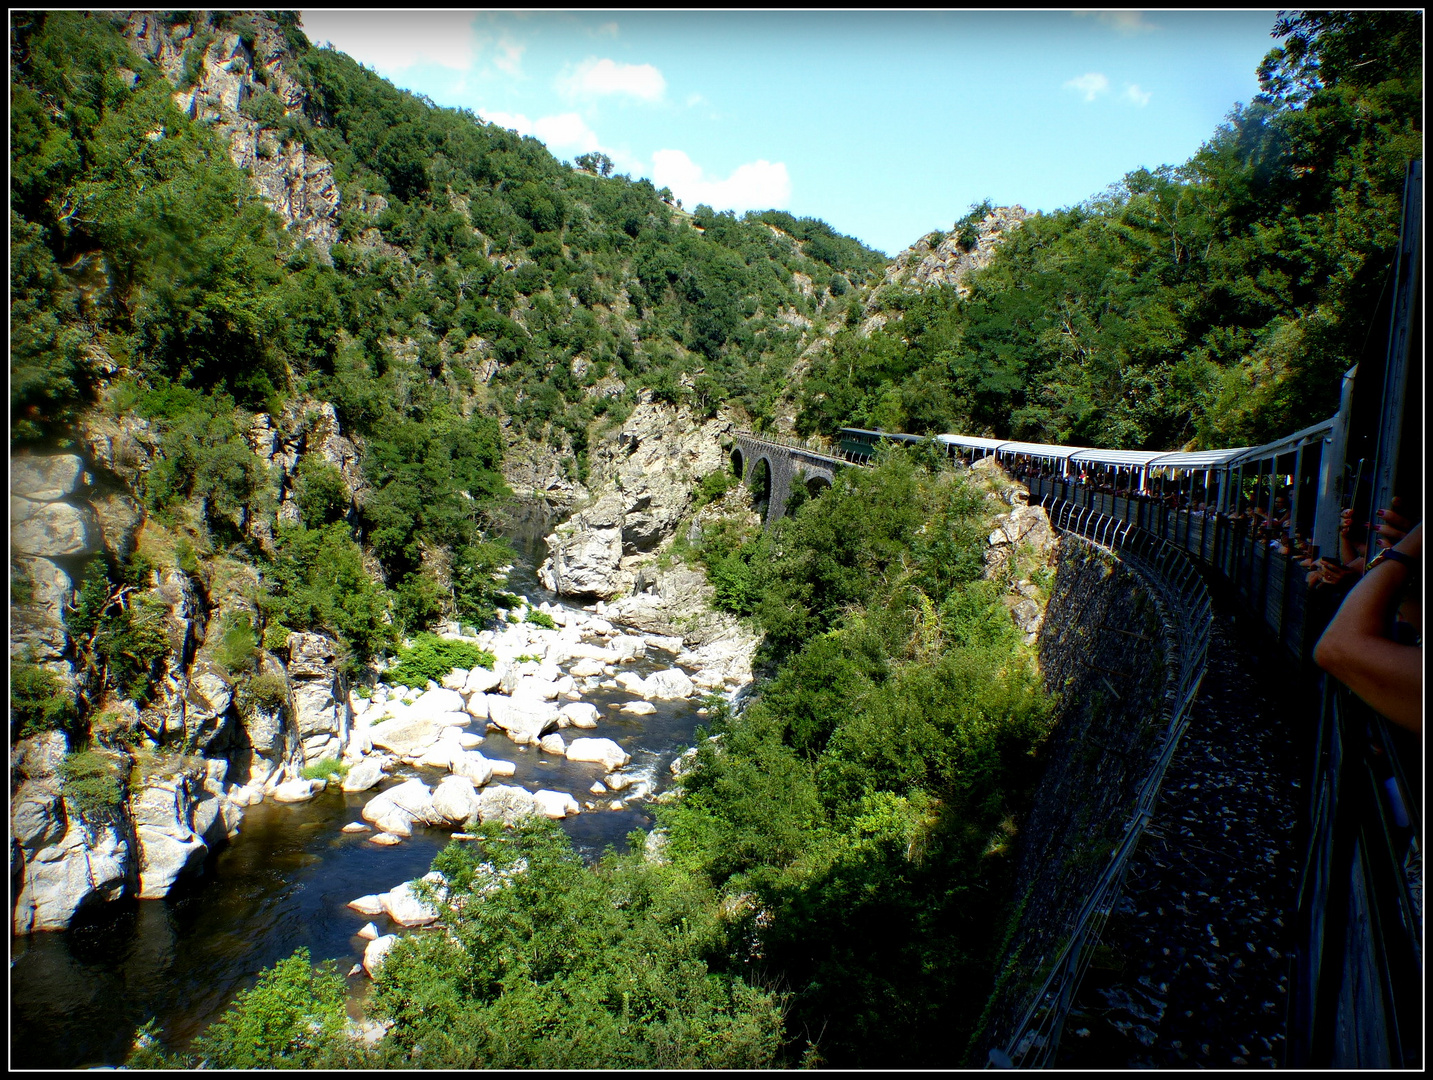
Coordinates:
(393, 40)
(509, 57)
(1126, 23)
(593, 78)
(564, 133)
(757, 185)
(1135, 95)
(1091, 85)
(694, 100)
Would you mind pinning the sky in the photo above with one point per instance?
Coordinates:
(886, 125)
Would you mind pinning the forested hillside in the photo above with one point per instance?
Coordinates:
(1212, 303)
(469, 278)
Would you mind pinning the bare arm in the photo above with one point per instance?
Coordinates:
(1355, 650)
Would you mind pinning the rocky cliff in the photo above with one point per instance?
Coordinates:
(216, 71)
(196, 743)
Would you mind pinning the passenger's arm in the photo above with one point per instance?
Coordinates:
(1355, 648)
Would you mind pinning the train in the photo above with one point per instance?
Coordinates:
(1251, 517)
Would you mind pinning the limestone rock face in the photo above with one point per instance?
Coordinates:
(645, 473)
(163, 815)
(949, 260)
(38, 627)
(296, 184)
(45, 478)
(87, 866)
(320, 700)
(52, 529)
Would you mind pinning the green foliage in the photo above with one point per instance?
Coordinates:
(118, 634)
(321, 492)
(847, 813)
(540, 618)
(327, 769)
(268, 691)
(477, 579)
(238, 644)
(316, 581)
(39, 702)
(432, 657)
(417, 602)
(713, 486)
(293, 1017)
(91, 782)
(560, 966)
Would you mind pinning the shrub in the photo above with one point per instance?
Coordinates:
(714, 485)
(276, 636)
(39, 701)
(432, 657)
(91, 781)
(541, 618)
(238, 644)
(268, 691)
(293, 1017)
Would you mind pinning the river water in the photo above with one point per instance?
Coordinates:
(284, 882)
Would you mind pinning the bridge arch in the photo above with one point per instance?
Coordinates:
(817, 484)
(738, 463)
(759, 480)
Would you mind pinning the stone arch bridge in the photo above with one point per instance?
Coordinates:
(787, 464)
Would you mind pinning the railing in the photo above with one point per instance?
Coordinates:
(1184, 602)
(1356, 995)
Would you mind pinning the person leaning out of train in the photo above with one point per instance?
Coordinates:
(1374, 643)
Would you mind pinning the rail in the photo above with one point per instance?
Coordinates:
(1184, 602)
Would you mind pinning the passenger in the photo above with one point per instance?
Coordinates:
(1361, 651)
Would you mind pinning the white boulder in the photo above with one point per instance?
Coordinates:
(455, 798)
(669, 685)
(604, 751)
(364, 775)
(406, 909)
(505, 803)
(377, 949)
(555, 804)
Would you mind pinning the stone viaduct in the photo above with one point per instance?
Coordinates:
(785, 464)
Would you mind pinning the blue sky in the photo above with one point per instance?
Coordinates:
(884, 124)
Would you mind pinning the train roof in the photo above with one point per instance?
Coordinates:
(971, 442)
(1197, 459)
(876, 436)
(1032, 449)
(1135, 459)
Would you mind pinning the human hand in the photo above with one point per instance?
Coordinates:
(1392, 527)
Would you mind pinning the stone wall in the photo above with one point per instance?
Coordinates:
(1106, 651)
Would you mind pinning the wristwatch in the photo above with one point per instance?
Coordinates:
(1394, 556)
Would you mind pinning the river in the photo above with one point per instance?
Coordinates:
(284, 882)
